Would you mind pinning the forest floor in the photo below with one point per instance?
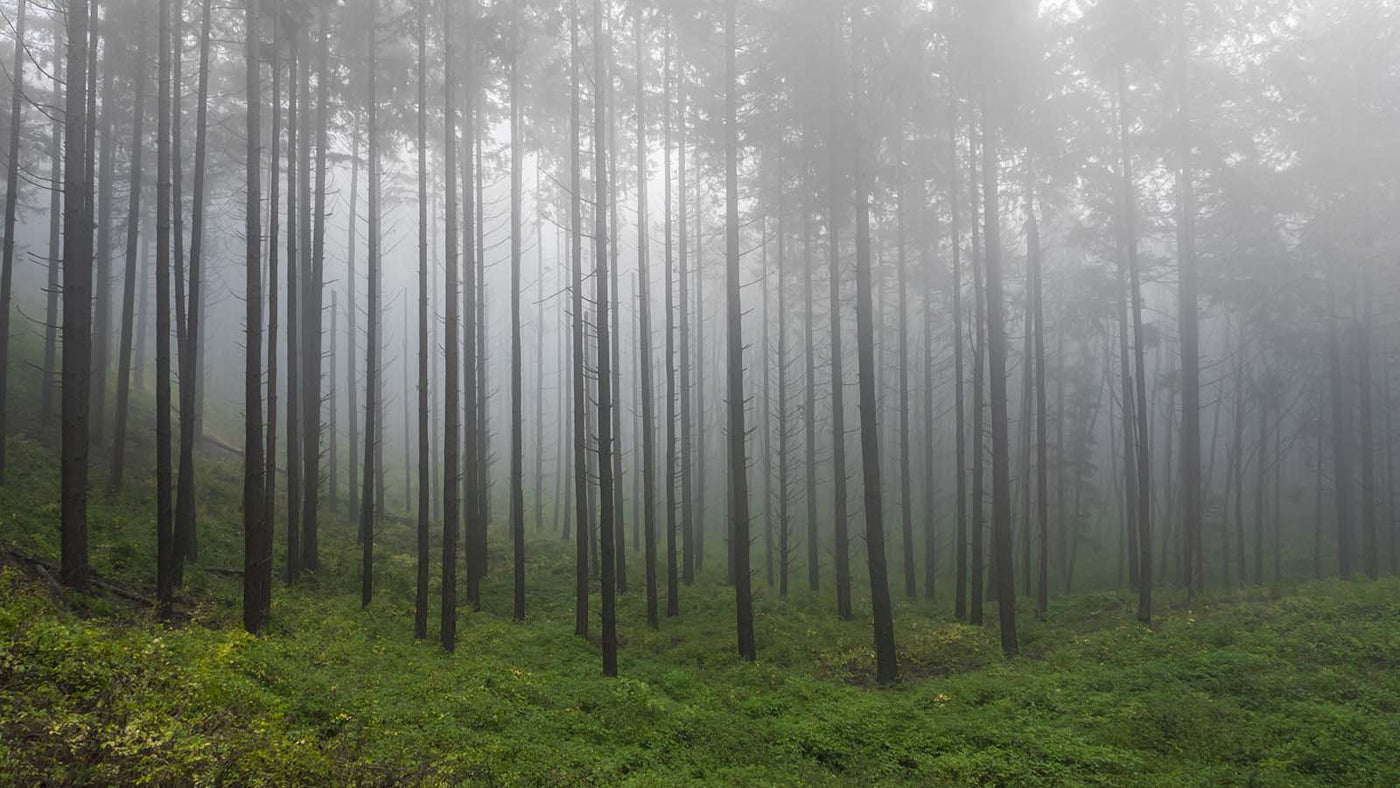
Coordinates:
(1289, 687)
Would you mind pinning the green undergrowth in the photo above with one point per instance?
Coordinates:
(1254, 687)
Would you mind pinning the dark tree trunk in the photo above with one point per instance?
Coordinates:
(673, 606)
(606, 493)
(102, 261)
(296, 73)
(473, 522)
(53, 260)
(784, 523)
(885, 664)
(960, 426)
(580, 422)
(257, 535)
(996, 356)
(420, 609)
(517, 460)
(1370, 544)
(274, 228)
(312, 338)
(186, 542)
(906, 509)
(77, 308)
(1190, 458)
(451, 473)
(842, 546)
(683, 275)
(979, 376)
(647, 515)
(1042, 454)
(809, 403)
(351, 333)
(133, 218)
(1143, 460)
(165, 558)
(368, 503)
(738, 470)
(700, 346)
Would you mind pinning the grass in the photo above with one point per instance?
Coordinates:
(1254, 687)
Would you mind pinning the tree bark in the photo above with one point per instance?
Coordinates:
(312, 338)
(420, 610)
(451, 472)
(648, 433)
(257, 536)
(367, 497)
(606, 493)
(580, 422)
(133, 218)
(517, 460)
(165, 558)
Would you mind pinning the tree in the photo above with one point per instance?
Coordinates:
(133, 218)
(606, 494)
(648, 433)
(517, 459)
(296, 74)
(580, 422)
(186, 543)
(257, 536)
(420, 615)
(165, 558)
(368, 501)
(885, 664)
(312, 320)
(77, 307)
(7, 267)
(451, 473)
(841, 553)
(734, 341)
(672, 569)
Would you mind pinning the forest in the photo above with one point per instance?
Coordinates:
(700, 392)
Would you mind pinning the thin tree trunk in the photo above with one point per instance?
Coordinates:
(885, 663)
(186, 542)
(517, 460)
(367, 499)
(257, 535)
(648, 433)
(451, 473)
(809, 403)
(683, 276)
(838, 416)
(274, 221)
(906, 508)
(420, 617)
(1042, 454)
(1190, 473)
(351, 332)
(296, 74)
(165, 558)
(312, 339)
(1370, 544)
(133, 217)
(979, 376)
(672, 569)
(102, 262)
(784, 524)
(996, 356)
(960, 425)
(606, 493)
(738, 469)
(473, 521)
(54, 258)
(580, 422)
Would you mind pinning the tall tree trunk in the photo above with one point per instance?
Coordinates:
(257, 535)
(367, 498)
(683, 304)
(517, 460)
(996, 357)
(1191, 498)
(186, 542)
(885, 664)
(580, 423)
(619, 527)
(312, 338)
(606, 493)
(809, 403)
(784, 523)
(738, 468)
(842, 554)
(274, 228)
(133, 218)
(473, 524)
(699, 527)
(351, 331)
(102, 261)
(1143, 460)
(1042, 454)
(165, 558)
(1370, 544)
(648, 433)
(960, 426)
(906, 509)
(296, 73)
(979, 377)
(452, 414)
(420, 609)
(672, 568)
(53, 259)
(77, 308)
